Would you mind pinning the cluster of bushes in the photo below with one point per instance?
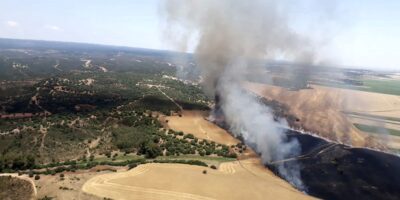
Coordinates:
(73, 166)
(156, 102)
(189, 96)
(62, 141)
(129, 138)
(130, 163)
(188, 162)
(138, 132)
(150, 150)
(176, 143)
(141, 133)
(240, 147)
(19, 162)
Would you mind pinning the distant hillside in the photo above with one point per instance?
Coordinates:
(6, 43)
(30, 59)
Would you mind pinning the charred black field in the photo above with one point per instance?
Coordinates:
(335, 171)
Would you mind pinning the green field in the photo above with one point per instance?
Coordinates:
(388, 86)
(382, 86)
(377, 129)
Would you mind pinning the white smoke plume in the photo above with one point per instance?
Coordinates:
(228, 35)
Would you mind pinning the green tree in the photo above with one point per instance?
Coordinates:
(150, 150)
(30, 162)
(18, 163)
(1, 165)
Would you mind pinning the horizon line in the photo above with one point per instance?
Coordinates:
(179, 52)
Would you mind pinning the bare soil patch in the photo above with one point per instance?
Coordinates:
(65, 188)
(246, 178)
(13, 187)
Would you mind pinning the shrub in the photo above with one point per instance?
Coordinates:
(91, 158)
(213, 167)
(188, 162)
(202, 153)
(190, 136)
(204, 171)
(232, 155)
(37, 177)
(46, 198)
(132, 165)
(59, 169)
(150, 150)
(156, 139)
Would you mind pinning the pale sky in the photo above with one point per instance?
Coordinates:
(357, 33)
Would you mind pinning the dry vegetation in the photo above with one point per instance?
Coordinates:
(331, 112)
(14, 187)
(66, 187)
(174, 181)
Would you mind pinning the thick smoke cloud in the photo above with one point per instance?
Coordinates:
(228, 35)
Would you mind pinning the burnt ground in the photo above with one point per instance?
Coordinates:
(336, 171)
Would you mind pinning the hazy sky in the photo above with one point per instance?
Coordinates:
(350, 32)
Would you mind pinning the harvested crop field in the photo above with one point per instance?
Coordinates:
(234, 180)
(195, 122)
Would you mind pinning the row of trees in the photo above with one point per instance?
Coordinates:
(17, 163)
